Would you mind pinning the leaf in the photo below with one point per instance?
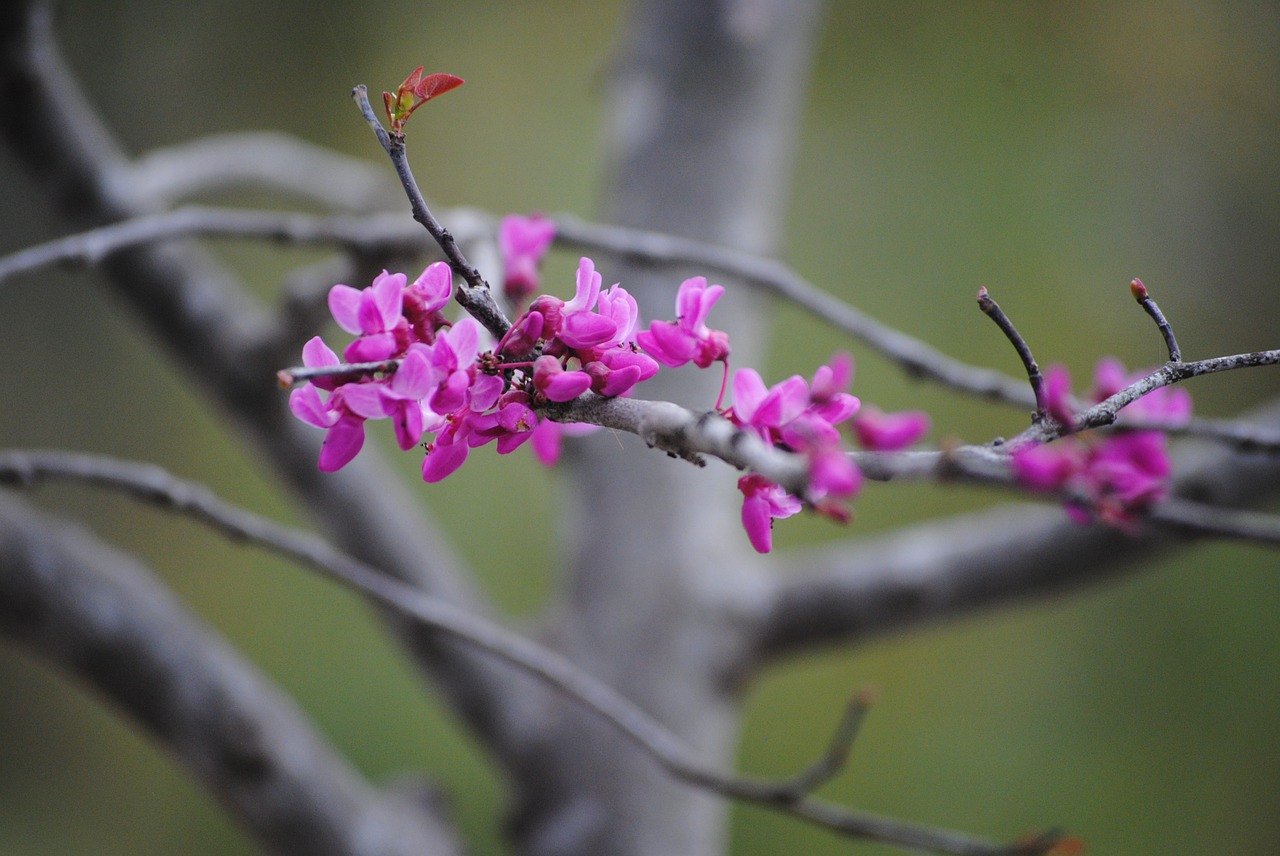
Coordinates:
(436, 84)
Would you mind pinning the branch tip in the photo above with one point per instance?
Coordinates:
(1143, 296)
(993, 311)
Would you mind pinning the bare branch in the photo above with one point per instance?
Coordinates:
(476, 296)
(682, 433)
(375, 234)
(1105, 412)
(154, 485)
(917, 358)
(223, 338)
(1149, 306)
(100, 615)
(257, 160)
(993, 311)
(944, 569)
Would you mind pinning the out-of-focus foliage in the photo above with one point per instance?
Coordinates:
(1050, 152)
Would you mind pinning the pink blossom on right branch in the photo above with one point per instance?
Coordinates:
(1109, 478)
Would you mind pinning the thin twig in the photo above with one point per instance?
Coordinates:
(916, 357)
(476, 297)
(1143, 297)
(993, 311)
(1106, 411)
(155, 485)
(342, 372)
(382, 233)
(836, 758)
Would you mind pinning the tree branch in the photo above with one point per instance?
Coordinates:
(98, 614)
(258, 160)
(221, 337)
(945, 569)
(154, 485)
(475, 296)
(917, 358)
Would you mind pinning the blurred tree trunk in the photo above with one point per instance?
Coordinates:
(704, 104)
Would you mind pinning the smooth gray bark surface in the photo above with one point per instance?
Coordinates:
(660, 596)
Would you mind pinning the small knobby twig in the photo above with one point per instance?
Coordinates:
(476, 297)
(155, 485)
(1143, 297)
(993, 311)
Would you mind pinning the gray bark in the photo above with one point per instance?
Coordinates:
(659, 597)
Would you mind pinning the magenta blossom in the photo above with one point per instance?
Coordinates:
(442, 388)
(689, 339)
(374, 314)
(523, 242)
(802, 418)
(762, 503)
(424, 299)
(344, 427)
(1113, 477)
(888, 432)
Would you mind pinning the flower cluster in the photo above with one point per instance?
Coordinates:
(802, 416)
(1109, 478)
(445, 386)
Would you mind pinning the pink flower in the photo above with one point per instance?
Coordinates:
(689, 339)
(1111, 477)
(1047, 467)
(374, 314)
(551, 379)
(451, 358)
(802, 418)
(762, 503)
(523, 242)
(424, 299)
(344, 428)
(1170, 405)
(1057, 395)
(767, 409)
(580, 327)
(889, 432)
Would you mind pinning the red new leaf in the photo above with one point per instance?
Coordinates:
(436, 84)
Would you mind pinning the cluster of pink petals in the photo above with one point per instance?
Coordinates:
(801, 417)
(523, 242)
(878, 431)
(393, 319)
(587, 342)
(689, 339)
(1110, 478)
(440, 390)
(441, 386)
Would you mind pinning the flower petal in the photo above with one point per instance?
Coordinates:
(341, 443)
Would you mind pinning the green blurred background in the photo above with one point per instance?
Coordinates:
(1048, 151)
